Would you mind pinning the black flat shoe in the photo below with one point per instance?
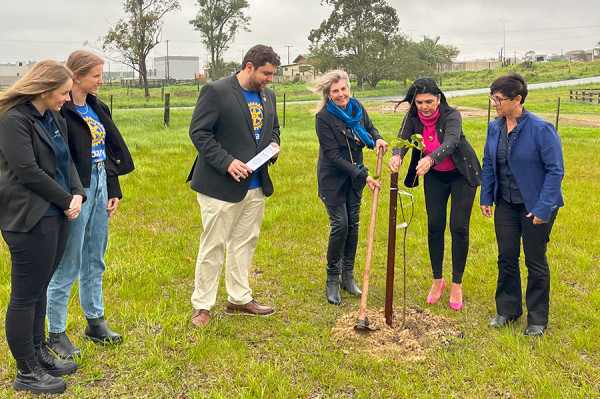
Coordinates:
(61, 346)
(499, 321)
(97, 331)
(535, 330)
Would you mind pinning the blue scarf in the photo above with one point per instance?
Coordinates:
(352, 123)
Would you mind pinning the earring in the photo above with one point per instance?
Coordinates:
(78, 81)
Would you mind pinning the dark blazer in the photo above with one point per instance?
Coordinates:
(28, 171)
(453, 143)
(222, 130)
(536, 161)
(118, 159)
(337, 172)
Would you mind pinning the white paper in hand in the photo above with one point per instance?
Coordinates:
(262, 157)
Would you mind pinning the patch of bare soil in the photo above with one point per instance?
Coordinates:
(423, 331)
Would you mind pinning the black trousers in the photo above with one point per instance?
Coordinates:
(343, 237)
(438, 187)
(511, 225)
(35, 255)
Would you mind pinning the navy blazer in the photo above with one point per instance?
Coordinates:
(222, 130)
(28, 171)
(337, 170)
(536, 161)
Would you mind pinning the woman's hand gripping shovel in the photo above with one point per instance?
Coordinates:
(363, 322)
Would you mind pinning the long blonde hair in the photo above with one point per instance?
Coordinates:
(81, 62)
(324, 83)
(43, 77)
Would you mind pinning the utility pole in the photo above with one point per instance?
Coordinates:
(504, 21)
(288, 47)
(167, 63)
(411, 31)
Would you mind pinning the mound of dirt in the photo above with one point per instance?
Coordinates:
(423, 331)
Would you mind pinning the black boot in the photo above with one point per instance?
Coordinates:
(32, 377)
(332, 289)
(53, 366)
(348, 282)
(62, 347)
(97, 330)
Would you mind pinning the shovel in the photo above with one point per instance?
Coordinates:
(363, 323)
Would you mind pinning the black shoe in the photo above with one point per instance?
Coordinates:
(32, 377)
(348, 282)
(535, 330)
(332, 289)
(53, 366)
(97, 330)
(62, 347)
(499, 321)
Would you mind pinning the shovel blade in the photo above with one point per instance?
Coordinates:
(363, 325)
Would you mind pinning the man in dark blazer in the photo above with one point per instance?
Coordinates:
(235, 119)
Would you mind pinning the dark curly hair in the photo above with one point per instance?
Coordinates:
(424, 85)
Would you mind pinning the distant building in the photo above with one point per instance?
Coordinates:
(175, 67)
(541, 58)
(10, 73)
(299, 68)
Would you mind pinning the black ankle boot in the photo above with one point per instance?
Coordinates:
(62, 347)
(53, 366)
(332, 289)
(97, 330)
(348, 282)
(32, 377)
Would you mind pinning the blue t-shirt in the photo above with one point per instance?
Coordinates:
(256, 111)
(61, 150)
(97, 130)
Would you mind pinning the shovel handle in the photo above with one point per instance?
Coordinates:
(365, 291)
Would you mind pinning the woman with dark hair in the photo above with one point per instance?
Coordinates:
(344, 129)
(451, 170)
(522, 173)
(40, 192)
(100, 155)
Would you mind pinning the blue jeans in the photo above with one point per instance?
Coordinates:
(83, 258)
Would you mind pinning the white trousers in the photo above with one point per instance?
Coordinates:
(234, 226)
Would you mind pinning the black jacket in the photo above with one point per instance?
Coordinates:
(453, 143)
(337, 171)
(118, 159)
(222, 130)
(28, 171)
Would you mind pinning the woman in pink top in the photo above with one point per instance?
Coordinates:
(450, 169)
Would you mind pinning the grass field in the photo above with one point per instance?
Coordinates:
(149, 279)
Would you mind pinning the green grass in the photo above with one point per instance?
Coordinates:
(185, 96)
(149, 280)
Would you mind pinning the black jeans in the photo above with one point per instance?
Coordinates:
(343, 236)
(438, 186)
(35, 255)
(511, 224)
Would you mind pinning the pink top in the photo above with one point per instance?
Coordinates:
(431, 141)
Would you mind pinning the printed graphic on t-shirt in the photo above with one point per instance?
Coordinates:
(97, 130)
(256, 110)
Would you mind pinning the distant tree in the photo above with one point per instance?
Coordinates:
(219, 21)
(556, 58)
(528, 58)
(356, 37)
(597, 50)
(434, 53)
(576, 55)
(135, 35)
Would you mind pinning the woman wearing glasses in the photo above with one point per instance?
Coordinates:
(451, 170)
(522, 173)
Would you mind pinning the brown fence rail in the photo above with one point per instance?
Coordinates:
(591, 96)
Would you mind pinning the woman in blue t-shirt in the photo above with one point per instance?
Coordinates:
(100, 155)
(40, 192)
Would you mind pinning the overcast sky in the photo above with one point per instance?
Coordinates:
(43, 29)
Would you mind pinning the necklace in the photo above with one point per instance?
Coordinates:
(86, 109)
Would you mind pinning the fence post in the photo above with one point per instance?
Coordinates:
(162, 93)
(167, 109)
(284, 110)
(111, 99)
(557, 114)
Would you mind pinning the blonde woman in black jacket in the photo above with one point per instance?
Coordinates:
(100, 155)
(40, 192)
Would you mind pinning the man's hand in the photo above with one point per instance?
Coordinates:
(237, 169)
(276, 146)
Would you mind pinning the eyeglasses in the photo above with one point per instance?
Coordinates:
(498, 101)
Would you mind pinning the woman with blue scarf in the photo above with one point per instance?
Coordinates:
(344, 129)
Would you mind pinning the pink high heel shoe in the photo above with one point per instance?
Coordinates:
(456, 305)
(431, 299)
